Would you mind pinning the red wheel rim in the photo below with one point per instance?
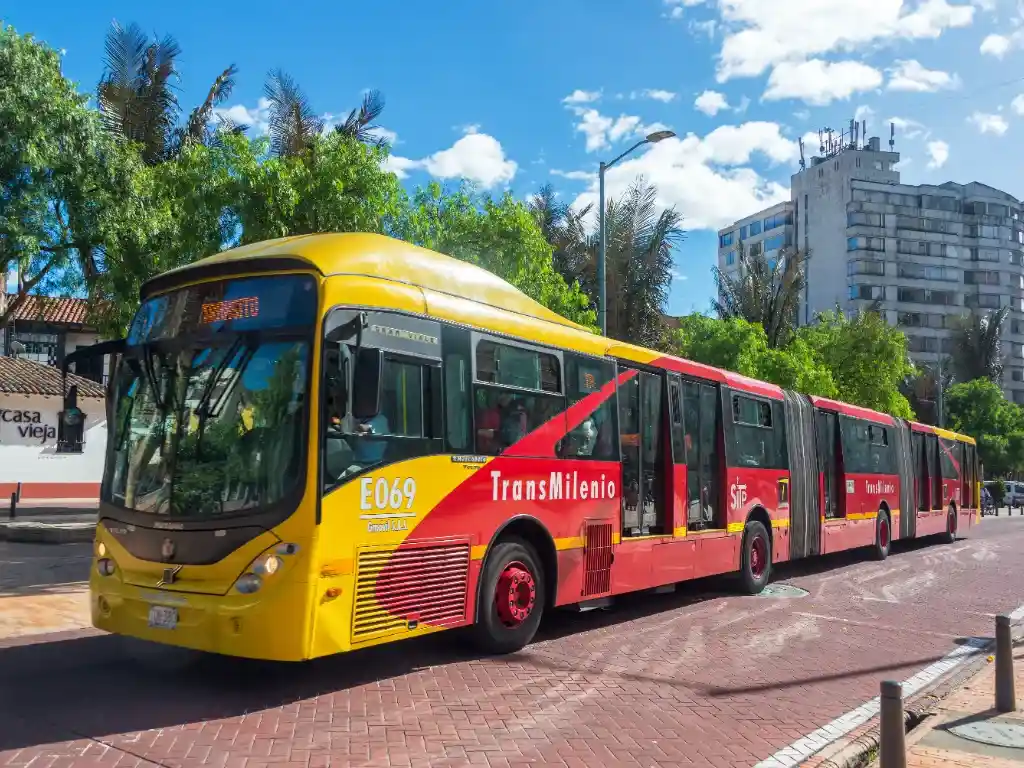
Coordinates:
(883, 533)
(758, 557)
(515, 594)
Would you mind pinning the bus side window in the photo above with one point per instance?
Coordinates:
(594, 437)
(458, 404)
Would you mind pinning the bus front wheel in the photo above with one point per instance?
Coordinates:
(883, 535)
(950, 535)
(511, 598)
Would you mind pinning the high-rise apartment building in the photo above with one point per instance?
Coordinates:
(927, 254)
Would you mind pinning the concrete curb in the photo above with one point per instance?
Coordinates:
(31, 532)
(862, 750)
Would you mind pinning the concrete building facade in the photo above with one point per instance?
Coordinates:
(927, 254)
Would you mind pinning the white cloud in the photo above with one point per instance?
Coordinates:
(257, 118)
(820, 82)
(711, 103)
(703, 178)
(910, 75)
(910, 129)
(601, 130)
(659, 95)
(863, 112)
(573, 175)
(995, 45)
(764, 33)
(476, 157)
(581, 97)
(384, 133)
(802, 114)
(675, 7)
(938, 153)
(1017, 105)
(707, 27)
(989, 123)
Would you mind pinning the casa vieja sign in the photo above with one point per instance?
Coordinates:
(28, 425)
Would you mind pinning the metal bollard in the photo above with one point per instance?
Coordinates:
(14, 506)
(892, 747)
(1006, 699)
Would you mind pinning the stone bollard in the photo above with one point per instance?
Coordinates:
(1006, 699)
(892, 746)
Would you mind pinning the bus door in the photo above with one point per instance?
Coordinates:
(921, 474)
(643, 448)
(826, 428)
(703, 466)
(934, 472)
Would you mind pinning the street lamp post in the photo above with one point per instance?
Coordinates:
(602, 282)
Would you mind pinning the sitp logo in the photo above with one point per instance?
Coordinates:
(738, 495)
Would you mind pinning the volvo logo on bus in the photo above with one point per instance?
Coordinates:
(167, 549)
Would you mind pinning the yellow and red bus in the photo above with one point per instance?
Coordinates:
(328, 442)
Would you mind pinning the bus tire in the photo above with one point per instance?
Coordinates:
(756, 558)
(951, 525)
(883, 535)
(512, 594)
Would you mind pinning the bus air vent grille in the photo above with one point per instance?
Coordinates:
(398, 590)
(597, 557)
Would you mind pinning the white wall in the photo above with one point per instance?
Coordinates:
(28, 441)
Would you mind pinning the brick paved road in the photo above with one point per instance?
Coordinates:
(701, 677)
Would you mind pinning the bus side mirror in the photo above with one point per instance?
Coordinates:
(368, 383)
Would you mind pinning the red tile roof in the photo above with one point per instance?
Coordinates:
(27, 377)
(52, 310)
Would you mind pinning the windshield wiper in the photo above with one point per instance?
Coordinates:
(203, 409)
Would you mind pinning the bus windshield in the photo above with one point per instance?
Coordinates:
(211, 399)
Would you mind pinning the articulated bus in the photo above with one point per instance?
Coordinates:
(328, 442)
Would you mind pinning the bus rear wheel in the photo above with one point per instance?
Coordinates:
(883, 535)
(756, 560)
(951, 520)
(512, 596)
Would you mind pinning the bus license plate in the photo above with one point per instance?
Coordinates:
(162, 617)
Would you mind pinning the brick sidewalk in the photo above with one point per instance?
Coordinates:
(932, 745)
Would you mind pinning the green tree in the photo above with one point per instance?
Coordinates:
(979, 409)
(741, 346)
(867, 357)
(977, 346)
(640, 239)
(500, 235)
(763, 291)
(58, 177)
(137, 97)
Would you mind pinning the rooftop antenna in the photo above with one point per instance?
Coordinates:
(892, 136)
(853, 141)
(856, 135)
(864, 131)
(803, 163)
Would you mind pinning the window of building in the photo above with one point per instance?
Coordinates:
(982, 277)
(39, 346)
(996, 209)
(775, 242)
(755, 228)
(939, 203)
(744, 232)
(725, 240)
(856, 218)
(926, 272)
(865, 243)
(925, 296)
(595, 437)
(867, 292)
(984, 254)
(982, 300)
(908, 201)
(865, 268)
(758, 434)
(730, 258)
(777, 220)
(1017, 374)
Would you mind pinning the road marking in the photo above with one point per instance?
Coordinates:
(814, 742)
(886, 627)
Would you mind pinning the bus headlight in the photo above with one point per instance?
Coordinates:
(248, 583)
(267, 566)
(105, 566)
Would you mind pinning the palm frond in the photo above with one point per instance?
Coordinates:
(197, 128)
(359, 123)
(293, 124)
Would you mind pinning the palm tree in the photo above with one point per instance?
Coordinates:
(763, 292)
(294, 123)
(639, 256)
(977, 345)
(137, 98)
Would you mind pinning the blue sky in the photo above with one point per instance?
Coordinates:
(516, 95)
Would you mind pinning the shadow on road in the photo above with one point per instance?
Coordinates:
(70, 688)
